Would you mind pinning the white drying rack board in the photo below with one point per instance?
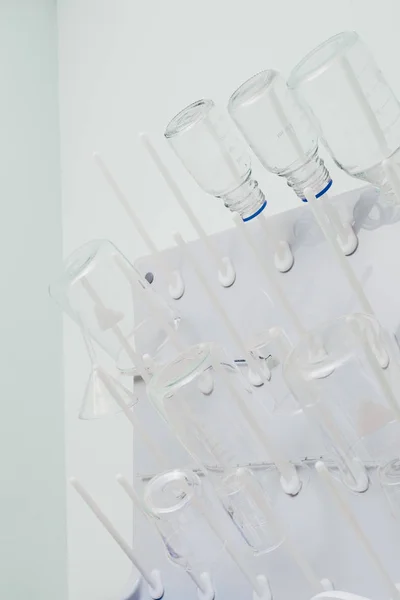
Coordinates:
(319, 291)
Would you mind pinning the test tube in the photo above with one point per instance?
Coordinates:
(343, 373)
(356, 112)
(205, 142)
(103, 293)
(208, 404)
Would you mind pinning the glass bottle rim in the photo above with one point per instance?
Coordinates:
(252, 89)
(188, 117)
(171, 491)
(78, 263)
(318, 60)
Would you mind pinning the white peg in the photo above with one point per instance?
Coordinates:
(153, 578)
(252, 363)
(348, 515)
(176, 285)
(225, 268)
(270, 274)
(205, 590)
(392, 177)
(318, 209)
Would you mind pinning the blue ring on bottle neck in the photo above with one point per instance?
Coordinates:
(256, 213)
(322, 192)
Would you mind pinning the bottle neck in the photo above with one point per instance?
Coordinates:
(311, 173)
(247, 199)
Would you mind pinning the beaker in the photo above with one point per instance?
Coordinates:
(344, 374)
(355, 110)
(206, 143)
(114, 305)
(279, 132)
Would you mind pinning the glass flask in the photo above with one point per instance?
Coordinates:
(114, 305)
(344, 374)
(204, 140)
(212, 410)
(279, 132)
(357, 113)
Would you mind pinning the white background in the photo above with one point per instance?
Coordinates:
(127, 66)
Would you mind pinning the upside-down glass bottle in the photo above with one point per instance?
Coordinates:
(279, 132)
(355, 110)
(206, 143)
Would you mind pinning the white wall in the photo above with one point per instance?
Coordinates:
(128, 66)
(33, 549)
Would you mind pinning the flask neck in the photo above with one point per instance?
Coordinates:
(247, 199)
(312, 173)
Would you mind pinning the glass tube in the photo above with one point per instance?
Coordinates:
(279, 132)
(204, 140)
(356, 111)
(114, 305)
(343, 373)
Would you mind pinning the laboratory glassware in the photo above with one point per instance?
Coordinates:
(114, 305)
(212, 409)
(206, 143)
(344, 374)
(354, 108)
(280, 132)
(389, 478)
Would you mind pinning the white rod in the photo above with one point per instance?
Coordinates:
(291, 483)
(104, 520)
(216, 303)
(259, 498)
(270, 274)
(353, 523)
(139, 429)
(177, 286)
(319, 213)
(179, 197)
(125, 203)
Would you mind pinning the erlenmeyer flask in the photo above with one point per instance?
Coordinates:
(99, 397)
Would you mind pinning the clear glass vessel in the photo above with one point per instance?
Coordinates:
(345, 375)
(279, 132)
(107, 297)
(355, 110)
(204, 140)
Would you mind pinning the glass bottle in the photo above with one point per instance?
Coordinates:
(355, 110)
(279, 132)
(205, 142)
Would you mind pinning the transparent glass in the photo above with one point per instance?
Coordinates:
(356, 111)
(206, 143)
(211, 408)
(114, 305)
(389, 478)
(174, 499)
(345, 375)
(279, 132)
